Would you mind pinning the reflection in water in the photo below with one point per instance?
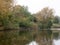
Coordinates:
(56, 42)
(33, 43)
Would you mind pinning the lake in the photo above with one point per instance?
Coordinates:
(55, 42)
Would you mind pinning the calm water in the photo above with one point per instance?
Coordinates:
(33, 43)
(55, 42)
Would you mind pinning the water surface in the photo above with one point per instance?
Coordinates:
(55, 42)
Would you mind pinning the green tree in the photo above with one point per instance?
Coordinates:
(56, 19)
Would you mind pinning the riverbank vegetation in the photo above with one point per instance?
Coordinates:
(18, 26)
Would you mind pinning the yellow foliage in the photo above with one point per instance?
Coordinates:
(5, 6)
(44, 14)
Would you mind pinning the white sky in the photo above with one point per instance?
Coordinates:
(36, 5)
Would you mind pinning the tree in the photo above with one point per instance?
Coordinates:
(44, 18)
(5, 19)
(5, 9)
(5, 6)
(56, 19)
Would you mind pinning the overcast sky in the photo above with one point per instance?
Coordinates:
(36, 5)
